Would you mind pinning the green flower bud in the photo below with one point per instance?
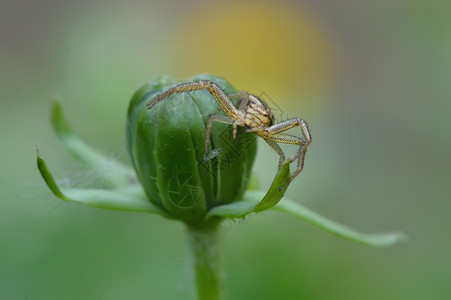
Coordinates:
(166, 144)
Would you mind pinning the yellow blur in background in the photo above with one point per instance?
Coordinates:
(370, 78)
(283, 49)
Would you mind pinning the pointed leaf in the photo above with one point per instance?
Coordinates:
(113, 171)
(130, 199)
(48, 178)
(275, 193)
(342, 231)
(255, 201)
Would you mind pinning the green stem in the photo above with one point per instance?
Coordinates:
(206, 259)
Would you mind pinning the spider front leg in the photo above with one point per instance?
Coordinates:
(242, 103)
(215, 90)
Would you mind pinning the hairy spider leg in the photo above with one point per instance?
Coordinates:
(279, 151)
(216, 91)
(300, 155)
(274, 133)
(242, 104)
(244, 99)
(288, 124)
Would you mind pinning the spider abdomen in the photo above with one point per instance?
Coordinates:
(257, 113)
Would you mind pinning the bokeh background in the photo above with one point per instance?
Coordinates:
(372, 78)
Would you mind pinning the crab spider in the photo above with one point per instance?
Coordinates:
(252, 113)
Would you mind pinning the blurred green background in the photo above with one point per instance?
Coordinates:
(372, 78)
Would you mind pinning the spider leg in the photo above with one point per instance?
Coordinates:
(290, 123)
(279, 151)
(215, 90)
(242, 103)
(235, 123)
(256, 129)
(300, 155)
(244, 99)
(221, 119)
(235, 129)
(289, 139)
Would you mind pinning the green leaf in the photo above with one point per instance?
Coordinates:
(274, 193)
(48, 178)
(342, 231)
(255, 201)
(252, 200)
(238, 209)
(114, 172)
(130, 199)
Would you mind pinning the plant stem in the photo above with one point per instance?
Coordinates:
(203, 241)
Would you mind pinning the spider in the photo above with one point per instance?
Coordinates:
(252, 113)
